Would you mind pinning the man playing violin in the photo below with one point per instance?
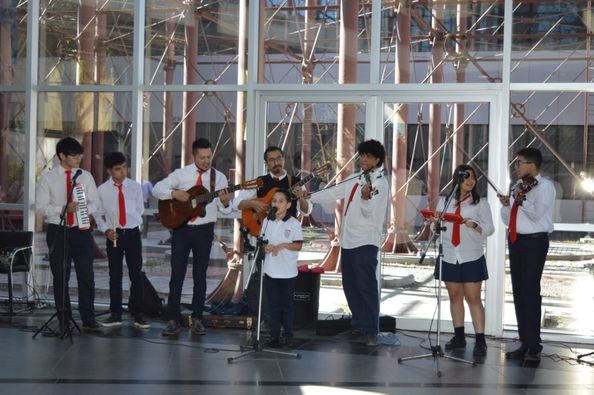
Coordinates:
(528, 212)
(196, 235)
(364, 211)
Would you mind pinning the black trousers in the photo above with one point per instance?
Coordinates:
(360, 286)
(129, 245)
(197, 239)
(78, 248)
(280, 292)
(527, 257)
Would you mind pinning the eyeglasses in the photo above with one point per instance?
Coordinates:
(522, 162)
(277, 159)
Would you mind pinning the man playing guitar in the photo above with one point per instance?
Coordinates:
(195, 235)
(277, 177)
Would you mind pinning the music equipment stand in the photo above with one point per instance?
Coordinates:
(257, 345)
(436, 351)
(15, 256)
(579, 358)
(64, 327)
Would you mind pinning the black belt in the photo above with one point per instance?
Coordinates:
(73, 228)
(200, 225)
(127, 230)
(532, 235)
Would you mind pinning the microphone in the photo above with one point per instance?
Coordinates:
(272, 213)
(78, 173)
(463, 174)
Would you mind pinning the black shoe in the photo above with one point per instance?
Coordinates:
(518, 353)
(351, 335)
(371, 340)
(480, 350)
(454, 343)
(140, 322)
(532, 355)
(172, 328)
(91, 326)
(288, 343)
(273, 342)
(198, 328)
(112, 320)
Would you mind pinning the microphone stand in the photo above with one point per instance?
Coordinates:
(436, 351)
(64, 329)
(257, 345)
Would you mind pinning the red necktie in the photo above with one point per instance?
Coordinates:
(456, 229)
(276, 178)
(69, 216)
(121, 205)
(351, 198)
(513, 235)
(198, 182)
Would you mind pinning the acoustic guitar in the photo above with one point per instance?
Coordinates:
(174, 213)
(252, 220)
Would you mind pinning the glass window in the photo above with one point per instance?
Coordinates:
(552, 41)
(13, 43)
(191, 43)
(12, 147)
(302, 41)
(86, 43)
(443, 41)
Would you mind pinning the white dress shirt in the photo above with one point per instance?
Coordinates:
(535, 215)
(472, 243)
(184, 179)
(364, 221)
(50, 194)
(109, 211)
(283, 264)
(249, 194)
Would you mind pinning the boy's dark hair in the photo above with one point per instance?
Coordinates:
(200, 143)
(272, 148)
(374, 148)
(113, 159)
(456, 179)
(532, 155)
(68, 146)
(285, 192)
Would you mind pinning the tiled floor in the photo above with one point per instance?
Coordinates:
(129, 361)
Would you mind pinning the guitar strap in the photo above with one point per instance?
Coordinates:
(213, 175)
(290, 181)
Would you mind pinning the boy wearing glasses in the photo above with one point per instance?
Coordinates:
(528, 212)
(67, 240)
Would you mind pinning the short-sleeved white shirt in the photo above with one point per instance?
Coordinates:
(287, 230)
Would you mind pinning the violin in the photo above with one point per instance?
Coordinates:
(522, 187)
(373, 191)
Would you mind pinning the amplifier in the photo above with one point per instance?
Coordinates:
(227, 321)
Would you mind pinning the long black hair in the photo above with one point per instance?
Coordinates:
(457, 180)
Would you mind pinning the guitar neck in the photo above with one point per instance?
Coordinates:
(207, 197)
(305, 180)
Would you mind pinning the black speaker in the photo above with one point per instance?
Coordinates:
(331, 327)
(153, 305)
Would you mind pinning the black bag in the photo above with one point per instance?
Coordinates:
(153, 305)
